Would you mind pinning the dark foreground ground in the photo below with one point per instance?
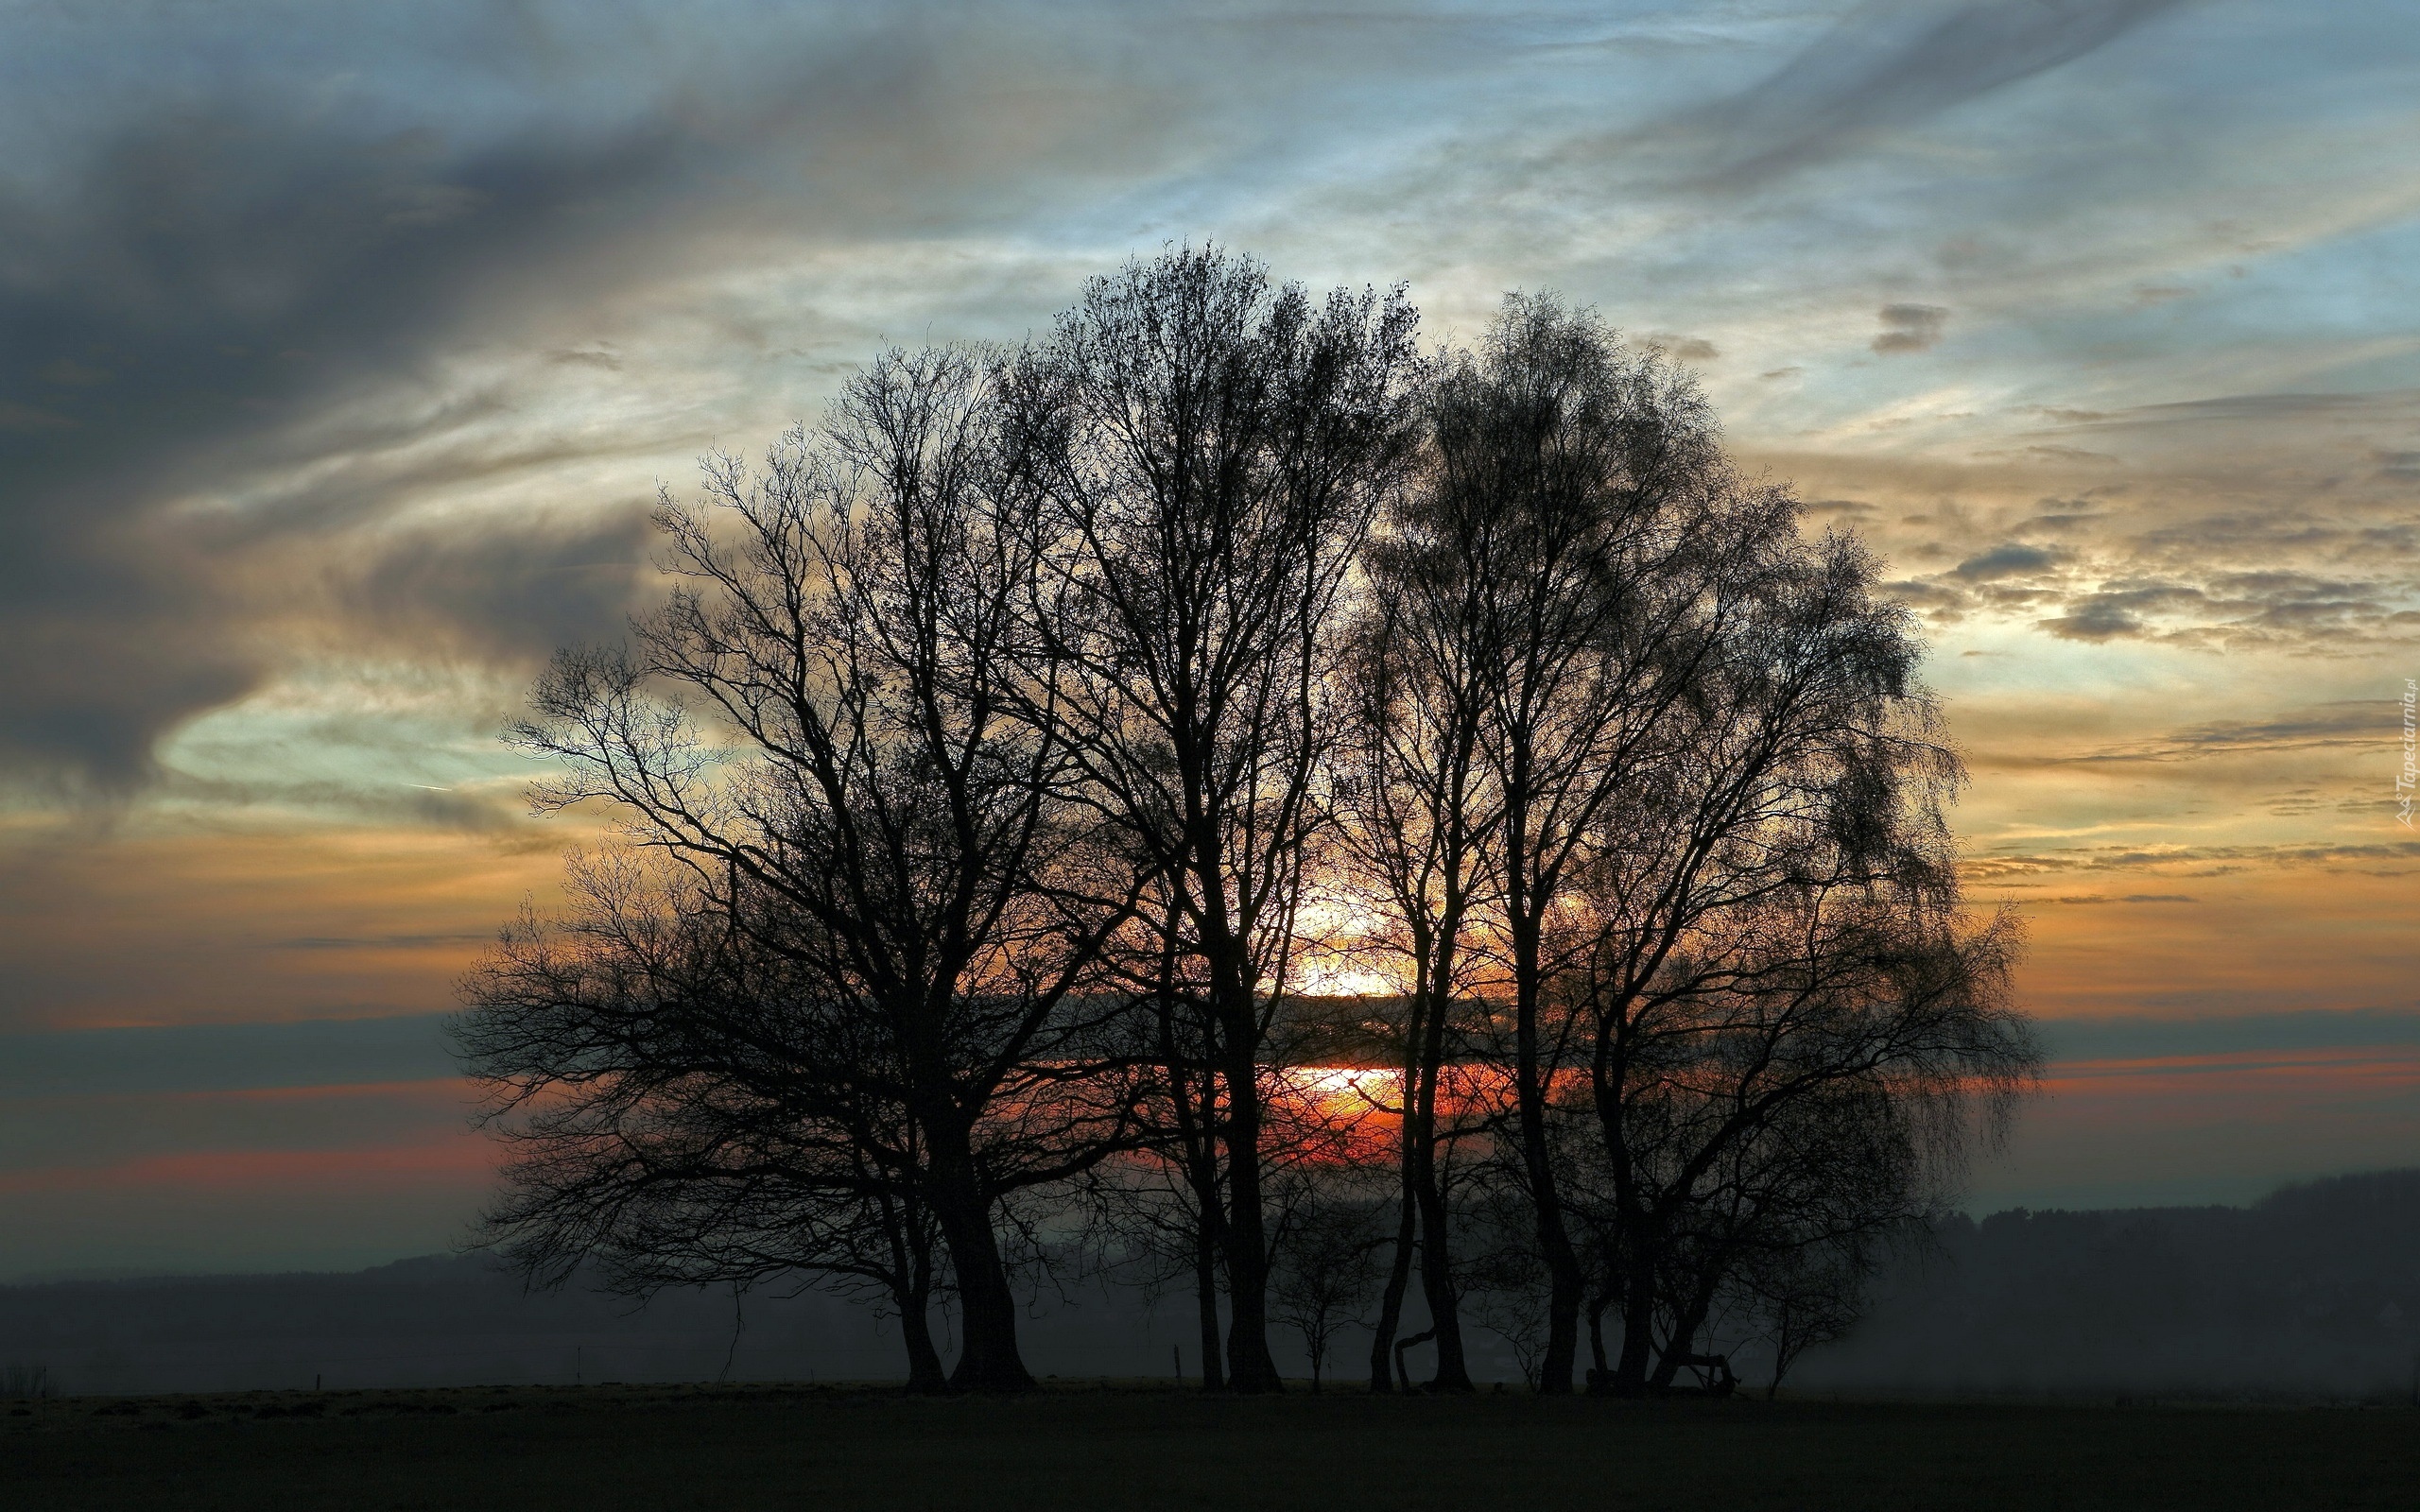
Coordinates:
(1074, 1450)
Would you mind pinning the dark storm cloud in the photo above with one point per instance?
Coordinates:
(509, 594)
(192, 280)
(1894, 64)
(215, 273)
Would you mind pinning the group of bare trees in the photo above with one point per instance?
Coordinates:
(1024, 752)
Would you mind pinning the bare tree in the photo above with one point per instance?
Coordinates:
(1712, 894)
(1157, 1216)
(865, 803)
(1211, 450)
(1004, 741)
(1326, 1269)
(1570, 495)
(1788, 1016)
(1834, 1177)
(1806, 1294)
(1416, 807)
(681, 1110)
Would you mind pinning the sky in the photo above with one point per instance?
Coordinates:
(343, 350)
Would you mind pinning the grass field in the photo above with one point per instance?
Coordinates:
(1075, 1450)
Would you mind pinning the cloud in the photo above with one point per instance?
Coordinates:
(226, 1056)
(2402, 467)
(1911, 327)
(2254, 406)
(505, 594)
(2119, 1036)
(2243, 521)
(2102, 617)
(2014, 559)
(1894, 64)
(243, 264)
(201, 271)
(2390, 858)
(1687, 349)
(2353, 723)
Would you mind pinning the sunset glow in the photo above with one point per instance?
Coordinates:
(2113, 363)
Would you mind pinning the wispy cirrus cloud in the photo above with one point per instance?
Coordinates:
(1893, 64)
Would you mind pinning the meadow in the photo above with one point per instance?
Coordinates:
(1075, 1449)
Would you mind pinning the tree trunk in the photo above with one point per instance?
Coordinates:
(1205, 1289)
(925, 1374)
(1600, 1376)
(1382, 1337)
(988, 1358)
(1554, 1241)
(1437, 1286)
(1436, 1230)
(1413, 1136)
(1250, 1366)
(1198, 1151)
(1681, 1349)
(1638, 1324)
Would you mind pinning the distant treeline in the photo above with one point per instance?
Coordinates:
(2314, 1294)
(1026, 750)
(2311, 1292)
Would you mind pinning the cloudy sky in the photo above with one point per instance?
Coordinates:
(340, 350)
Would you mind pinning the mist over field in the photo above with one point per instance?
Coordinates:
(2311, 1294)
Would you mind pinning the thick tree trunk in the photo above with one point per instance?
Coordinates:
(924, 1374)
(988, 1359)
(1437, 1286)
(1250, 1367)
(1638, 1327)
(1681, 1349)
